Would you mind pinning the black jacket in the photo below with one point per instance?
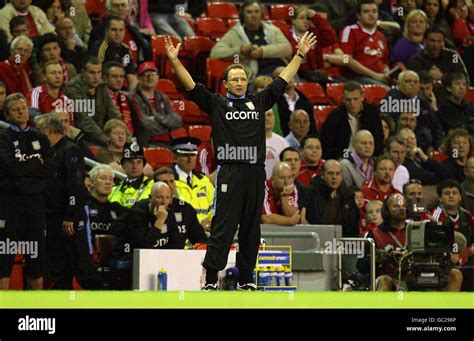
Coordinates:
(284, 113)
(428, 130)
(26, 161)
(429, 172)
(318, 199)
(336, 132)
(67, 194)
(455, 171)
(143, 45)
(188, 225)
(452, 115)
(103, 216)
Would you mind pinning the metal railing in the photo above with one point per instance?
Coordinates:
(372, 260)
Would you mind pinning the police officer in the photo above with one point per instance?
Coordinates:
(136, 187)
(26, 160)
(185, 215)
(192, 186)
(68, 232)
(238, 133)
(102, 213)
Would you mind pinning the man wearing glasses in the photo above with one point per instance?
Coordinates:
(158, 116)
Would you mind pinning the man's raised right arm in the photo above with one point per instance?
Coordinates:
(181, 72)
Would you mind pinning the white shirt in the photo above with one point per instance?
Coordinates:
(400, 177)
(291, 103)
(354, 123)
(275, 145)
(183, 175)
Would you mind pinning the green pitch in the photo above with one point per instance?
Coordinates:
(184, 299)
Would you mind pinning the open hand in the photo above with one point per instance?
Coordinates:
(171, 51)
(306, 43)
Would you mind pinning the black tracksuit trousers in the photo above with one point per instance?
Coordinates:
(238, 202)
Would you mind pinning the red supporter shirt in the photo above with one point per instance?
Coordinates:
(123, 108)
(31, 25)
(440, 215)
(371, 191)
(307, 173)
(39, 98)
(271, 204)
(367, 47)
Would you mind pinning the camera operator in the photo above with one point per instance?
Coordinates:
(392, 257)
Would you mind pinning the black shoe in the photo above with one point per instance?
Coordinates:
(210, 287)
(246, 287)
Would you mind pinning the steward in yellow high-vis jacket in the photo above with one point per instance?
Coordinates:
(136, 187)
(193, 187)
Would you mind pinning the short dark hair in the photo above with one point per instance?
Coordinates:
(91, 60)
(360, 3)
(425, 77)
(434, 29)
(113, 18)
(381, 158)
(454, 76)
(47, 39)
(288, 149)
(232, 67)
(161, 171)
(393, 139)
(17, 21)
(307, 137)
(352, 86)
(111, 64)
(448, 183)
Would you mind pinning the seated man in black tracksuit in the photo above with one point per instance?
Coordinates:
(67, 240)
(330, 202)
(153, 224)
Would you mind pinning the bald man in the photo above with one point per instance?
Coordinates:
(281, 205)
(405, 99)
(331, 202)
(151, 224)
(299, 127)
(358, 165)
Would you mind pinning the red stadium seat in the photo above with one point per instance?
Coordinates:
(282, 25)
(190, 113)
(158, 156)
(215, 71)
(95, 7)
(335, 92)
(314, 92)
(169, 89)
(374, 93)
(438, 156)
(231, 22)
(469, 95)
(282, 12)
(321, 112)
(201, 132)
(223, 10)
(199, 49)
(159, 53)
(210, 27)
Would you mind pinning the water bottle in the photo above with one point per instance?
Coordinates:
(162, 280)
(231, 278)
(280, 276)
(272, 277)
(263, 277)
(288, 277)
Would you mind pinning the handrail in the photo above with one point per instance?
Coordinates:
(296, 234)
(372, 260)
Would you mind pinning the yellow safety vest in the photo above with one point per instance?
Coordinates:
(127, 196)
(200, 197)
